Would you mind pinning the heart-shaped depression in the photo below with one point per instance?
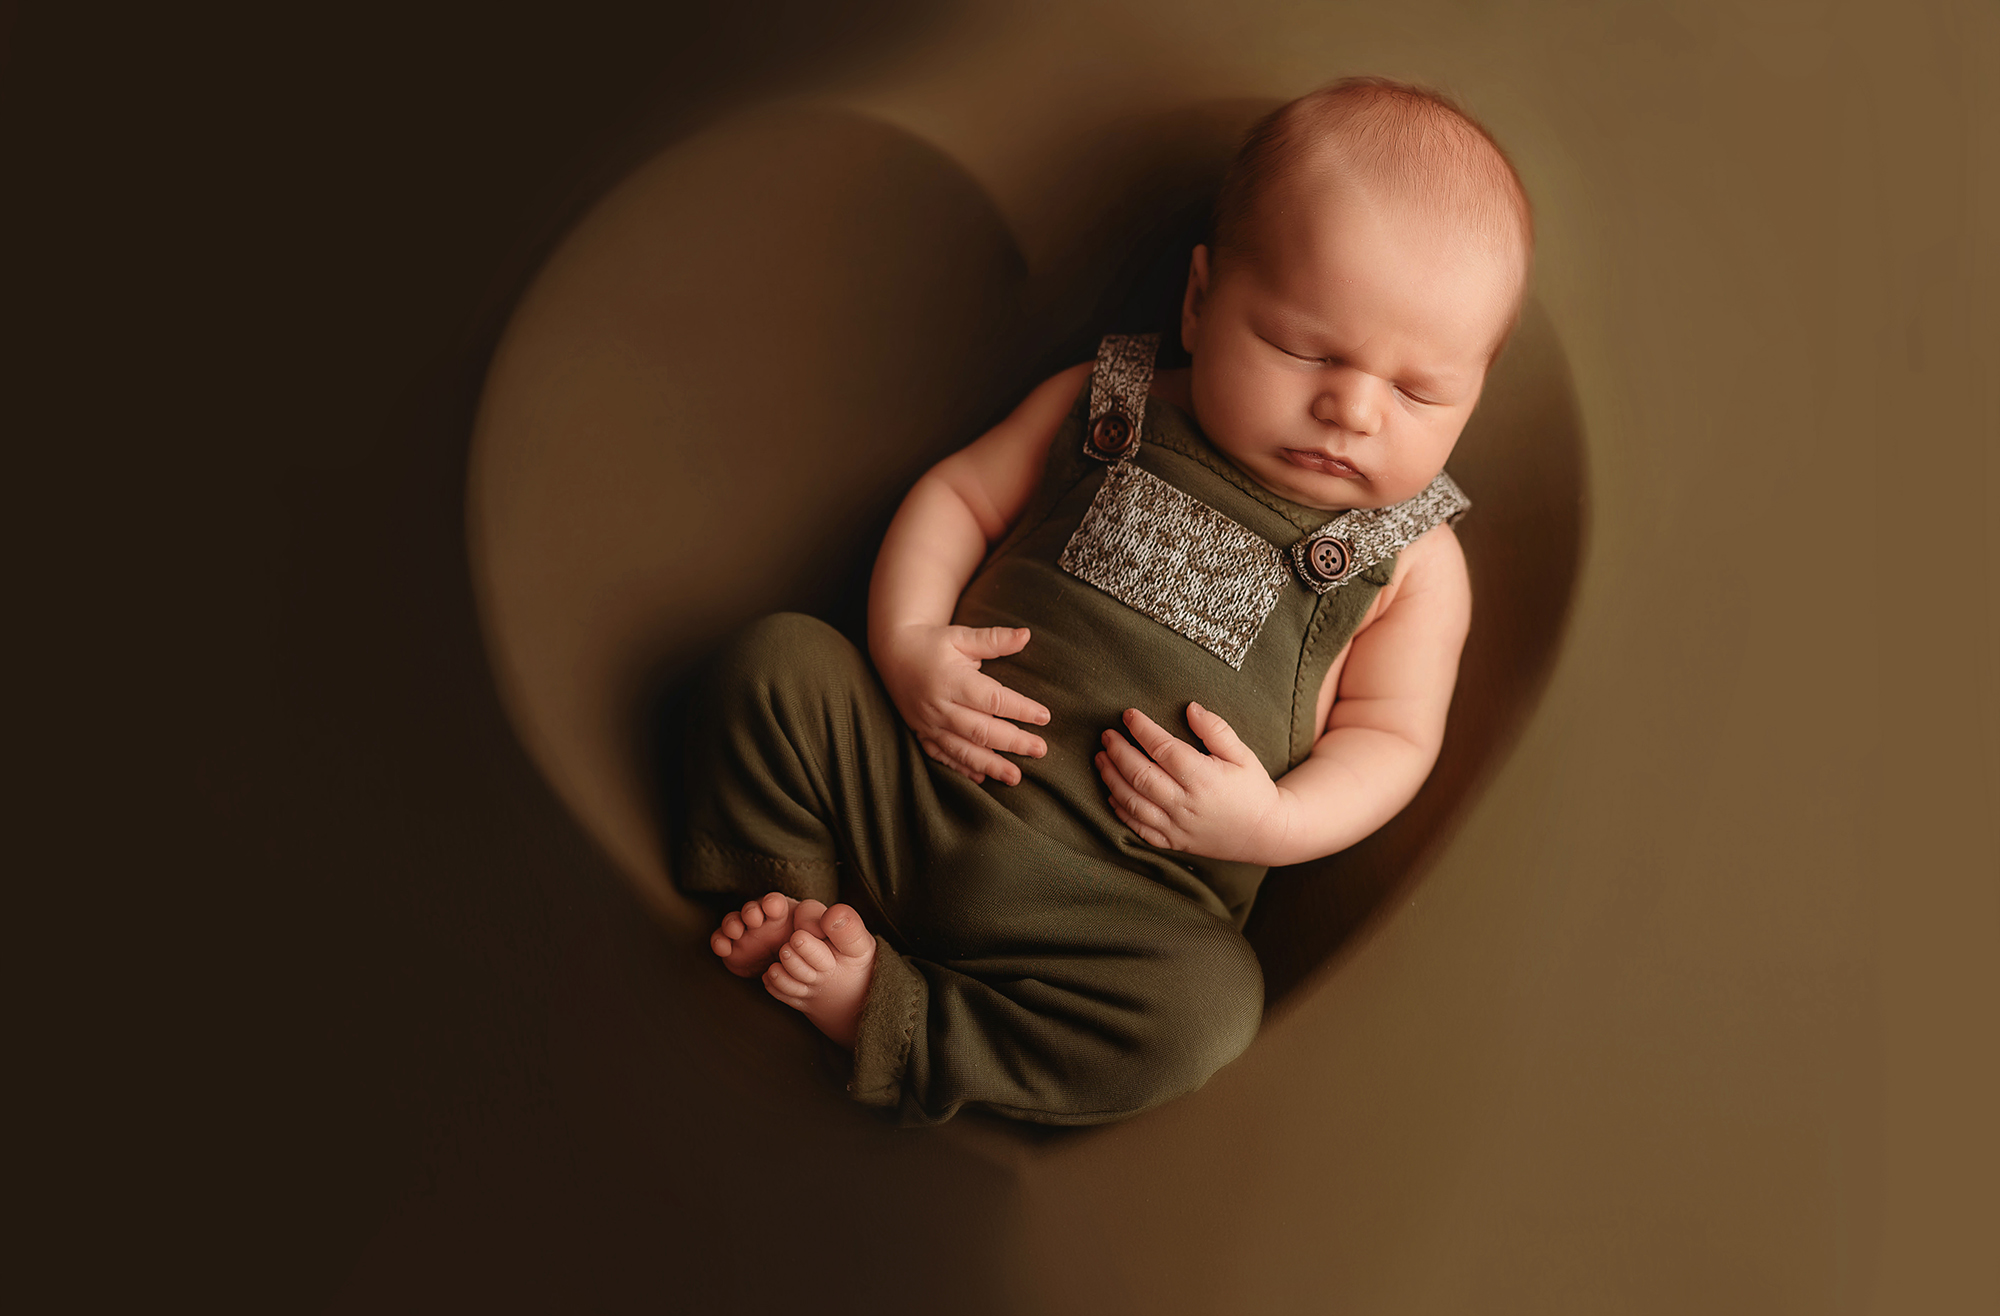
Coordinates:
(712, 397)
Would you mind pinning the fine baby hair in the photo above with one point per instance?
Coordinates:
(1410, 141)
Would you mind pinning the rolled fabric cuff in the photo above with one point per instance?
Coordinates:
(706, 866)
(897, 999)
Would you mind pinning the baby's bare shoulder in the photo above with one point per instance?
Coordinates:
(1435, 559)
(1430, 575)
(1054, 396)
(1408, 640)
(998, 471)
(1033, 423)
(1067, 383)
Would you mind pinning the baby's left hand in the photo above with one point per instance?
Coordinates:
(1221, 805)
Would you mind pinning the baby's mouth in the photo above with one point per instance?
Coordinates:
(1320, 462)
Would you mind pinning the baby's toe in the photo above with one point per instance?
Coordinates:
(812, 950)
(847, 933)
(783, 985)
(732, 927)
(753, 914)
(721, 944)
(796, 965)
(775, 904)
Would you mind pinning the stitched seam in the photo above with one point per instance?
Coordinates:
(733, 854)
(1378, 534)
(1173, 558)
(913, 1015)
(1120, 382)
(905, 1030)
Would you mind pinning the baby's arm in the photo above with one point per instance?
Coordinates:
(957, 511)
(1381, 738)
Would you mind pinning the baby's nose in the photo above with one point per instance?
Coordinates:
(1349, 404)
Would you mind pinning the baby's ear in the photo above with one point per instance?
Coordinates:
(1195, 298)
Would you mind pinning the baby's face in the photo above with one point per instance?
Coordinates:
(1338, 365)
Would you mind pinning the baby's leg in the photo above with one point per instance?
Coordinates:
(793, 757)
(1043, 982)
(1106, 999)
(748, 939)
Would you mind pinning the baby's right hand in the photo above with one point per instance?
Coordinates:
(932, 673)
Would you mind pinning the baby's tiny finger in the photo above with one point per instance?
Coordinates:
(990, 641)
(978, 739)
(1148, 778)
(1010, 739)
(984, 698)
(938, 755)
(995, 734)
(1166, 749)
(979, 762)
(1124, 797)
(1015, 706)
(1001, 770)
(1151, 836)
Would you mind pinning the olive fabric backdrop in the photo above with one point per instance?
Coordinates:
(325, 999)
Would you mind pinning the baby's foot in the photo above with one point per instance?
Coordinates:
(824, 968)
(749, 941)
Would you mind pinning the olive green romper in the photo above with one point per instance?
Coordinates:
(1034, 956)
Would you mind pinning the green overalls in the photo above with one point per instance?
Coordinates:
(1034, 956)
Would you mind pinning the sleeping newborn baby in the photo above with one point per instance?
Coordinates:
(1152, 634)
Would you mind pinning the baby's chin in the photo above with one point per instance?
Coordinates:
(1331, 494)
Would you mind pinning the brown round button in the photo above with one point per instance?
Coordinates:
(1112, 434)
(1328, 558)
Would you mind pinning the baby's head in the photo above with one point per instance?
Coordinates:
(1371, 248)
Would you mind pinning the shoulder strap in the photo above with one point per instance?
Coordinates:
(1355, 541)
(1118, 388)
